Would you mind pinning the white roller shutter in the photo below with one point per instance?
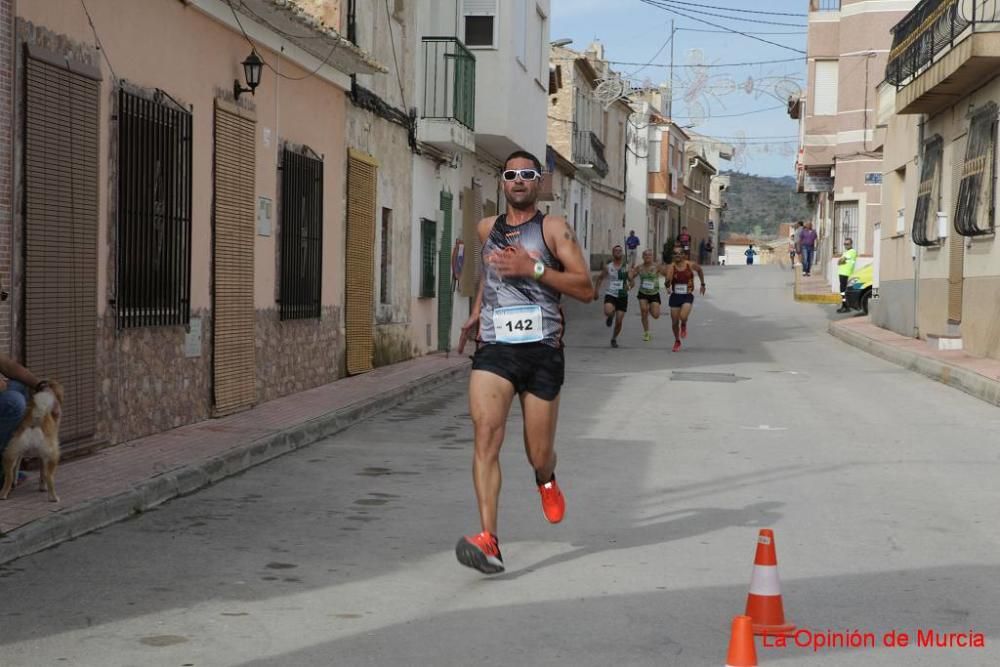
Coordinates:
(825, 88)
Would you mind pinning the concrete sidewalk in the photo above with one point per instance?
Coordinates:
(976, 376)
(130, 478)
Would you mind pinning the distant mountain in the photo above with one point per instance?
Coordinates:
(756, 205)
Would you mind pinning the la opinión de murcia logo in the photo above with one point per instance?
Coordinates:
(819, 640)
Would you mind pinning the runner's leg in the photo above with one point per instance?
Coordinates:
(644, 311)
(490, 397)
(685, 313)
(540, 419)
(619, 319)
(654, 310)
(675, 322)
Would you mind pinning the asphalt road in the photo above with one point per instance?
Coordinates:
(881, 487)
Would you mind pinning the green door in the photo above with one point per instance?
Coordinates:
(444, 276)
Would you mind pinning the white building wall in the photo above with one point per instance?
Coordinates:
(511, 96)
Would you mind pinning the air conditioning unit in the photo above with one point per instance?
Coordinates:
(942, 220)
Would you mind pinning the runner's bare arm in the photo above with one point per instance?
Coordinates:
(574, 279)
(668, 273)
(701, 275)
(471, 324)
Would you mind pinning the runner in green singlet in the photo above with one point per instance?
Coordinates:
(648, 274)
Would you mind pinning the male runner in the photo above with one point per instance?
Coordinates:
(616, 295)
(529, 261)
(680, 278)
(649, 290)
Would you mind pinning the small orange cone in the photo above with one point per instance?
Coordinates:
(742, 652)
(764, 601)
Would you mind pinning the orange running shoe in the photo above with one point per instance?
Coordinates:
(684, 329)
(553, 502)
(677, 346)
(480, 552)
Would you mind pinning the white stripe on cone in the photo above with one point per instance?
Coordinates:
(765, 580)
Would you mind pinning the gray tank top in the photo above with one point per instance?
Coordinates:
(520, 310)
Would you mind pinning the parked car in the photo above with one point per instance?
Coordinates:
(859, 288)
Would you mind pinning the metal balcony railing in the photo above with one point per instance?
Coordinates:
(449, 81)
(824, 5)
(589, 150)
(932, 27)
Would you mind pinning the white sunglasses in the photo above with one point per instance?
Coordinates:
(523, 174)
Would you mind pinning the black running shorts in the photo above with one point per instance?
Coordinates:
(621, 302)
(678, 300)
(651, 298)
(535, 368)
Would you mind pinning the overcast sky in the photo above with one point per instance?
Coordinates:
(742, 103)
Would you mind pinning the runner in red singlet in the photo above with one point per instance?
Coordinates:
(680, 280)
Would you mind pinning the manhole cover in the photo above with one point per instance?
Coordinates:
(690, 376)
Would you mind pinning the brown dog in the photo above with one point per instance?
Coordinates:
(36, 436)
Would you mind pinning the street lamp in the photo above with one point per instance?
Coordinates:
(252, 68)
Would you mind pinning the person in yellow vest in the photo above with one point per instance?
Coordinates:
(846, 268)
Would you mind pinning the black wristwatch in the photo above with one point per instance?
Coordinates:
(42, 385)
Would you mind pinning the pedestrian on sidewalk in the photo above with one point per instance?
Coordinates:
(529, 261)
(846, 268)
(749, 253)
(684, 239)
(14, 398)
(807, 247)
(631, 244)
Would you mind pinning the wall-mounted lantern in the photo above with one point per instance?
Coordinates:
(252, 68)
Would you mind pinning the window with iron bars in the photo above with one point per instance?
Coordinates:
(974, 215)
(925, 231)
(428, 248)
(153, 229)
(301, 235)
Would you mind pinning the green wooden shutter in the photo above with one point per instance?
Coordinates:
(444, 276)
(428, 247)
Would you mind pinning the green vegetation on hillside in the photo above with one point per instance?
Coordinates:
(756, 205)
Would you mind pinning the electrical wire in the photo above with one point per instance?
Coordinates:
(97, 38)
(392, 40)
(716, 25)
(746, 64)
(734, 115)
(793, 32)
(733, 9)
(655, 56)
(269, 65)
(670, 3)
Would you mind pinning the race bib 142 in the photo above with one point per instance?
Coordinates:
(518, 324)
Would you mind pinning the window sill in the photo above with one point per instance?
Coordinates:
(483, 48)
(898, 235)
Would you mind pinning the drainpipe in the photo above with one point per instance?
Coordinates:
(917, 251)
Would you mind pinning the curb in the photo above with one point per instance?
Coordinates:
(818, 298)
(970, 382)
(100, 512)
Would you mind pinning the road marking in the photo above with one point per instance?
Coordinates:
(763, 427)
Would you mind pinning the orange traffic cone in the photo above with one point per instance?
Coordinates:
(742, 652)
(764, 601)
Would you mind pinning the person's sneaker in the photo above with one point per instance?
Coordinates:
(553, 502)
(684, 330)
(480, 552)
(647, 336)
(609, 320)
(677, 346)
(614, 342)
